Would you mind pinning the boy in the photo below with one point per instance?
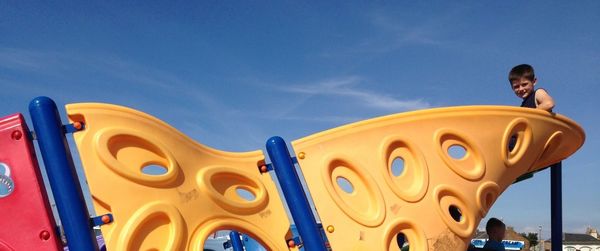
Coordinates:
(522, 79)
(496, 231)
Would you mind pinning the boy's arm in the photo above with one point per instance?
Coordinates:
(544, 100)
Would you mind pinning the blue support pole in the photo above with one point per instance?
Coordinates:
(294, 195)
(236, 242)
(556, 206)
(62, 175)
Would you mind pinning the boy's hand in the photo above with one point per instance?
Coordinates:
(544, 100)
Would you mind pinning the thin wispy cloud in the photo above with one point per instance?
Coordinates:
(77, 77)
(350, 89)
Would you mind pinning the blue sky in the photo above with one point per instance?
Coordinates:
(232, 74)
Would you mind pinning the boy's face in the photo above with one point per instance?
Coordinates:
(523, 87)
(498, 233)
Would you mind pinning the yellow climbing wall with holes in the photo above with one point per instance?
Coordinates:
(377, 204)
(177, 210)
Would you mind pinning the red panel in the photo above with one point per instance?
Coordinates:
(27, 221)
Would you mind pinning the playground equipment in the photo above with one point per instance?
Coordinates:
(436, 202)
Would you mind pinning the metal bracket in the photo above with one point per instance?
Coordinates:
(102, 220)
(74, 127)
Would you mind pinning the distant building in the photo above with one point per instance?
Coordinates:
(578, 242)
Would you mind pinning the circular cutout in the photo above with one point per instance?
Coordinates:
(232, 189)
(345, 185)
(154, 170)
(365, 203)
(7, 186)
(252, 235)
(406, 171)
(403, 232)
(397, 166)
(487, 194)
(127, 152)
(245, 193)
(516, 141)
(457, 152)
(471, 164)
(455, 213)
(554, 141)
(152, 221)
(453, 209)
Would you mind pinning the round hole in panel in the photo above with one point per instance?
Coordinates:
(128, 153)
(235, 190)
(406, 171)
(516, 141)
(457, 152)
(345, 185)
(154, 169)
(215, 232)
(552, 144)
(403, 233)
(154, 226)
(365, 203)
(453, 209)
(224, 238)
(455, 213)
(471, 165)
(245, 193)
(397, 166)
(487, 193)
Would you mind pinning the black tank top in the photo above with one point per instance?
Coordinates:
(529, 101)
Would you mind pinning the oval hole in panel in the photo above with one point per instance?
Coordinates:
(222, 240)
(404, 234)
(515, 142)
(457, 152)
(455, 213)
(128, 152)
(345, 185)
(460, 154)
(364, 203)
(216, 234)
(401, 242)
(154, 170)
(154, 226)
(234, 190)
(406, 171)
(245, 194)
(397, 167)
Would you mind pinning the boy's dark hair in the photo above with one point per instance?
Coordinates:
(493, 223)
(521, 71)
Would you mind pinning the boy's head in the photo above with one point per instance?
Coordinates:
(495, 229)
(522, 79)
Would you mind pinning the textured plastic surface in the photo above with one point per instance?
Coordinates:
(27, 221)
(177, 210)
(437, 200)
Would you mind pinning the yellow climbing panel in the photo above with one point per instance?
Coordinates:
(439, 198)
(198, 193)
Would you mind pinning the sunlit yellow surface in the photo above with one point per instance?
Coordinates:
(177, 210)
(418, 202)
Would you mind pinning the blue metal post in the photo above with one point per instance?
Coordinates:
(236, 243)
(556, 206)
(62, 175)
(294, 195)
